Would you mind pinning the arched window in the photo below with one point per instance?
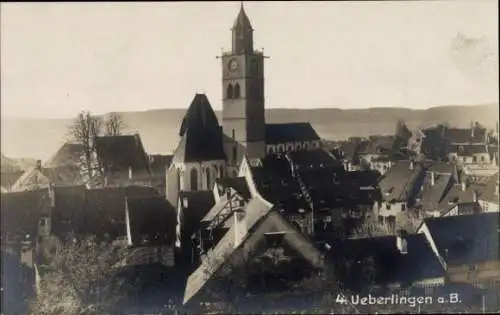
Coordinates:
(235, 153)
(229, 92)
(178, 178)
(194, 179)
(271, 150)
(209, 183)
(236, 91)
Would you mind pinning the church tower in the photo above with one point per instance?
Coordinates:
(243, 118)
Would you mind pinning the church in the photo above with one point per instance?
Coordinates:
(206, 150)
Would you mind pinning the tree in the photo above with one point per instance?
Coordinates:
(114, 125)
(84, 130)
(81, 276)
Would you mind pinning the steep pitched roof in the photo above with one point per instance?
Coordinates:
(256, 212)
(9, 179)
(290, 132)
(37, 177)
(239, 184)
(242, 21)
(201, 135)
(118, 153)
(99, 211)
(21, 211)
(390, 265)
(375, 145)
(466, 239)
(400, 182)
(68, 154)
(468, 150)
(465, 135)
(150, 220)
(314, 158)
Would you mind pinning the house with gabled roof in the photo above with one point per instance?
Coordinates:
(399, 188)
(251, 233)
(42, 177)
(123, 160)
(447, 191)
(468, 247)
(397, 262)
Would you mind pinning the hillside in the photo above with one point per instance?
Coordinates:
(40, 138)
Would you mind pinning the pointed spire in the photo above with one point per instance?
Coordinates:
(242, 33)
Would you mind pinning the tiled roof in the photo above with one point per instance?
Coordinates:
(348, 148)
(468, 150)
(201, 135)
(446, 193)
(275, 182)
(401, 181)
(98, 211)
(239, 184)
(460, 135)
(160, 163)
(118, 153)
(466, 239)
(10, 178)
(255, 210)
(35, 178)
(68, 154)
(314, 158)
(256, 213)
(375, 145)
(198, 205)
(21, 211)
(290, 132)
(390, 265)
(442, 168)
(152, 221)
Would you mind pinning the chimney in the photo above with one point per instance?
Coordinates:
(412, 165)
(464, 185)
(474, 196)
(472, 128)
(52, 195)
(401, 243)
(185, 202)
(240, 229)
(38, 165)
(105, 181)
(130, 172)
(433, 179)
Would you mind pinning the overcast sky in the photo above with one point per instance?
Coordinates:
(60, 58)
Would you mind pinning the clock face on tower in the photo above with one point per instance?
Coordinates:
(233, 65)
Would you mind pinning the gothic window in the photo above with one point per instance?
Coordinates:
(194, 179)
(235, 153)
(208, 178)
(237, 90)
(178, 175)
(229, 92)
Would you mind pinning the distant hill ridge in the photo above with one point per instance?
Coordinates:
(41, 138)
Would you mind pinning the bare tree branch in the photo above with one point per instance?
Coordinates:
(114, 125)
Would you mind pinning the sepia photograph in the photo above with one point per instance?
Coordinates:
(250, 157)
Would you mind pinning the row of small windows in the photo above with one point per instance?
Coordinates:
(233, 91)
